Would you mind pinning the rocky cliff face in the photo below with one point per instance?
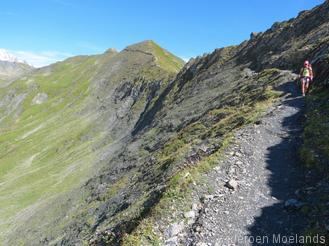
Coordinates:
(115, 130)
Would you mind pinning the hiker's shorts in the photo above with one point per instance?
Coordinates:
(305, 79)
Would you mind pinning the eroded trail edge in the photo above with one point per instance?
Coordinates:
(254, 190)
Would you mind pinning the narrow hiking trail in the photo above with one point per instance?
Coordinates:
(264, 173)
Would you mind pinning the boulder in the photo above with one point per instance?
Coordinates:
(40, 98)
(232, 184)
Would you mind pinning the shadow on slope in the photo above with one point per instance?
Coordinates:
(276, 223)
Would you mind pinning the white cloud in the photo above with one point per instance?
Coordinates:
(40, 59)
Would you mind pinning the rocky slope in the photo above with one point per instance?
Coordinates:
(96, 148)
(252, 192)
(214, 95)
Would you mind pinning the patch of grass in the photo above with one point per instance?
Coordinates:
(176, 200)
(145, 236)
(314, 155)
(315, 149)
(165, 59)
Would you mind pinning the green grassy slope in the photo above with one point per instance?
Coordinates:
(43, 148)
(53, 132)
(165, 59)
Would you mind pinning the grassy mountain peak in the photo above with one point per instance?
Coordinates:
(163, 58)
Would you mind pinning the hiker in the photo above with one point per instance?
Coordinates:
(306, 76)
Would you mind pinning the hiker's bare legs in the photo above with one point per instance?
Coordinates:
(307, 83)
(303, 86)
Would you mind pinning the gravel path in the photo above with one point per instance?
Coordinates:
(260, 201)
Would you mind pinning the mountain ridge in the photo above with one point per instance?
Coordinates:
(136, 128)
(96, 99)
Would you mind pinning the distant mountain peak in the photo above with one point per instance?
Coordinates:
(5, 55)
(163, 58)
(111, 50)
(143, 45)
(11, 66)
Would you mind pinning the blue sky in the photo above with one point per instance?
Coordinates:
(44, 31)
